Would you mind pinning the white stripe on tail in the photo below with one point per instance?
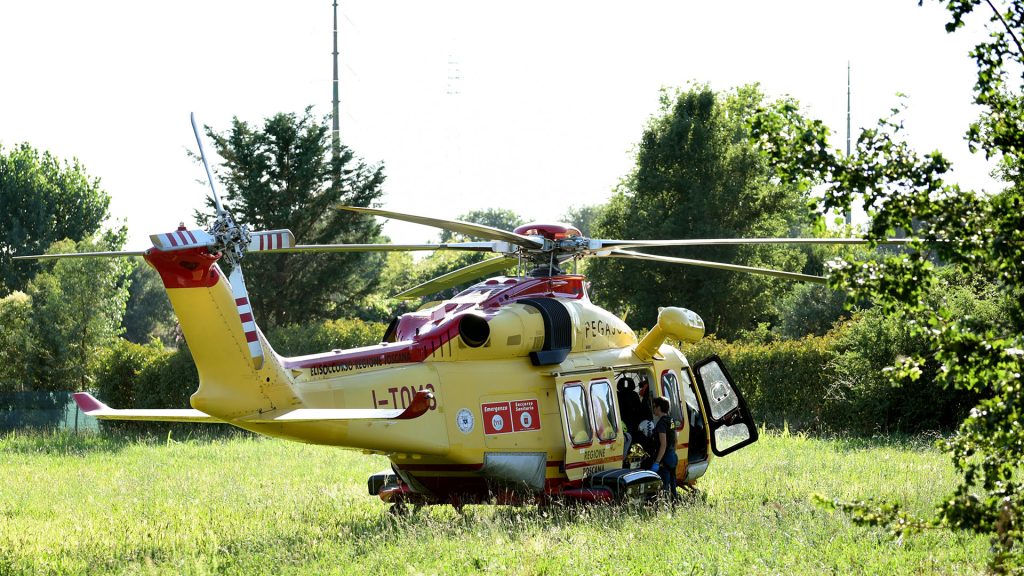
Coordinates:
(241, 296)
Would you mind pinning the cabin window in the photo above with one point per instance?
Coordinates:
(604, 410)
(577, 420)
(670, 387)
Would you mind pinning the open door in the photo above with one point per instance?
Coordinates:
(590, 423)
(730, 424)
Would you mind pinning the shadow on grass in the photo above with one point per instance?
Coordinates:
(513, 520)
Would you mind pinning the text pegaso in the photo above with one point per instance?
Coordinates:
(595, 328)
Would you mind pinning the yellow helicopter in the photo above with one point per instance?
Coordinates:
(517, 390)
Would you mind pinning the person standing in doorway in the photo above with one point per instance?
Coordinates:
(665, 459)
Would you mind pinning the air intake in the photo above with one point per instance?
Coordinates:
(557, 331)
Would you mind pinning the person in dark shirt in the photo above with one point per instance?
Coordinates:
(665, 459)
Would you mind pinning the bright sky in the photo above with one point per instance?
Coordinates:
(532, 106)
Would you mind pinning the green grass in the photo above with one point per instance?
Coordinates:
(96, 504)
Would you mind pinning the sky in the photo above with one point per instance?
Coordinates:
(531, 106)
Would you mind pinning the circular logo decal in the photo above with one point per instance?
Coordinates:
(497, 422)
(464, 420)
(525, 419)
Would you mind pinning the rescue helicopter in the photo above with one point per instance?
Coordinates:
(519, 389)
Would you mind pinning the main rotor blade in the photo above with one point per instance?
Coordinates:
(209, 176)
(81, 255)
(623, 244)
(463, 246)
(467, 228)
(718, 265)
(457, 277)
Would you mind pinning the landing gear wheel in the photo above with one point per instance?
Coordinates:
(399, 509)
(689, 494)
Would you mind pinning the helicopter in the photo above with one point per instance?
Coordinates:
(517, 390)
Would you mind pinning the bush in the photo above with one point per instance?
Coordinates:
(125, 379)
(810, 309)
(782, 381)
(168, 381)
(15, 340)
(841, 381)
(300, 339)
(120, 369)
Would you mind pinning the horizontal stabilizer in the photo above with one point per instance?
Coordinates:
(93, 407)
(420, 404)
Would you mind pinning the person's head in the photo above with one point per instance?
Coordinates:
(660, 406)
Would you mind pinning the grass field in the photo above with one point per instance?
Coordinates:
(94, 504)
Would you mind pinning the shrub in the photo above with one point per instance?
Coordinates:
(118, 376)
(810, 309)
(299, 339)
(781, 381)
(841, 381)
(15, 340)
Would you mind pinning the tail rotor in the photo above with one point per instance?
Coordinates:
(233, 241)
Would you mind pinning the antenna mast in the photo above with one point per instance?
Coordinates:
(849, 211)
(335, 134)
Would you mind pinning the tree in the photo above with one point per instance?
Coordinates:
(280, 175)
(43, 200)
(981, 235)
(502, 218)
(698, 176)
(148, 314)
(15, 340)
(77, 307)
(583, 217)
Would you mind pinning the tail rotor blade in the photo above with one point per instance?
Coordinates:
(271, 240)
(182, 239)
(241, 296)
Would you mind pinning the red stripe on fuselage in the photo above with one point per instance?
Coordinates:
(606, 460)
(246, 317)
(251, 337)
(241, 301)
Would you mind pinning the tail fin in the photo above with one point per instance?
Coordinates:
(230, 384)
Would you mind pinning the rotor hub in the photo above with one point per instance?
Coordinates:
(549, 231)
(232, 239)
